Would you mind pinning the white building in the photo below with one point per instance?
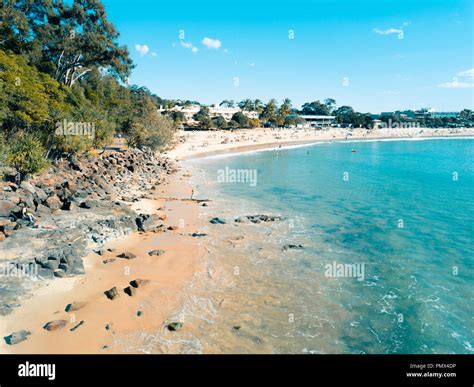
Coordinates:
(317, 121)
(214, 111)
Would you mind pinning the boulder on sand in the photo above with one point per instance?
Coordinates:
(138, 283)
(111, 293)
(217, 221)
(130, 290)
(156, 252)
(55, 325)
(75, 306)
(127, 255)
(174, 326)
(17, 337)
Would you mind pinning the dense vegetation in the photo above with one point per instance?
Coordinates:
(61, 68)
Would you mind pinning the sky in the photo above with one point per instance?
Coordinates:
(374, 55)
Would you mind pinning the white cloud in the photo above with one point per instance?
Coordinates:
(142, 50)
(189, 46)
(154, 54)
(212, 43)
(456, 85)
(387, 32)
(467, 73)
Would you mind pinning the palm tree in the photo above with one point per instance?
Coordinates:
(285, 108)
(246, 104)
(227, 103)
(258, 105)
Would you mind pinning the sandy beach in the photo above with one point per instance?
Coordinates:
(98, 325)
(207, 143)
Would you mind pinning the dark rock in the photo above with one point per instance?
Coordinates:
(130, 290)
(60, 273)
(174, 326)
(111, 293)
(144, 222)
(127, 255)
(292, 247)
(75, 306)
(138, 283)
(156, 252)
(17, 337)
(88, 204)
(217, 221)
(68, 205)
(259, 218)
(55, 325)
(198, 234)
(77, 326)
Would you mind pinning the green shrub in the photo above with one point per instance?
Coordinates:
(152, 130)
(26, 154)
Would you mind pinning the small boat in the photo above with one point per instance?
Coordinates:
(354, 150)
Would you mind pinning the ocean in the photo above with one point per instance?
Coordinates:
(374, 252)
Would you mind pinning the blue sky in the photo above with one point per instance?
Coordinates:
(352, 51)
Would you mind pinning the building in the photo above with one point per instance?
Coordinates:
(214, 111)
(317, 121)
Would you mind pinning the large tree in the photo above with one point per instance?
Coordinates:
(67, 41)
(315, 108)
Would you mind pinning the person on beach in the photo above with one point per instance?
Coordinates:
(29, 217)
(192, 194)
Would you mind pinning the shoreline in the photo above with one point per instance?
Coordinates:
(180, 153)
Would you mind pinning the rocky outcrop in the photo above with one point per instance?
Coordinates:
(50, 222)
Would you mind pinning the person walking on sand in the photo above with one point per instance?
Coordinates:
(192, 194)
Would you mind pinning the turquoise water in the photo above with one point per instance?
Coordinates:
(402, 210)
